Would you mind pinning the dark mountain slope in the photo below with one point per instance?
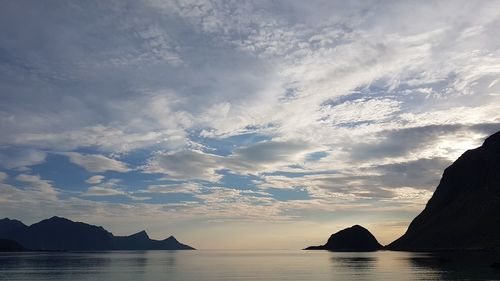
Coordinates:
(9, 225)
(464, 211)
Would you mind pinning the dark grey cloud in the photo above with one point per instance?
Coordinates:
(269, 151)
(401, 142)
(421, 173)
(186, 165)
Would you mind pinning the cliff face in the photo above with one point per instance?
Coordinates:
(352, 239)
(464, 212)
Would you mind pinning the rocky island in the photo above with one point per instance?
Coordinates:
(352, 239)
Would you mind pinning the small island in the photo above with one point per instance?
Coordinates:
(352, 239)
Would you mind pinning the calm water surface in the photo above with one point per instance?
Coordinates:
(244, 265)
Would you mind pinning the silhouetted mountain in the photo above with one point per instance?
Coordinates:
(464, 211)
(352, 239)
(62, 234)
(9, 225)
(10, 246)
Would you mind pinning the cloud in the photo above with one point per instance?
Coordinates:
(268, 68)
(254, 158)
(188, 164)
(423, 173)
(411, 195)
(3, 176)
(102, 191)
(447, 141)
(189, 188)
(373, 183)
(95, 179)
(361, 110)
(119, 140)
(96, 163)
(21, 158)
(270, 152)
(38, 185)
(111, 188)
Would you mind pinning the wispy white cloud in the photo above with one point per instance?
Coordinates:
(186, 164)
(265, 156)
(21, 158)
(360, 110)
(102, 191)
(110, 187)
(95, 179)
(189, 188)
(39, 186)
(96, 163)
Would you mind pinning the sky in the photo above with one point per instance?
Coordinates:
(240, 124)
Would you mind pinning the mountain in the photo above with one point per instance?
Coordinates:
(9, 225)
(352, 239)
(464, 211)
(62, 234)
(141, 240)
(10, 246)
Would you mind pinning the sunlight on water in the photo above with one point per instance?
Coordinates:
(242, 265)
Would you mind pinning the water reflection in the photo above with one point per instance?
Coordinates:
(354, 262)
(459, 265)
(247, 265)
(52, 266)
(386, 265)
(80, 266)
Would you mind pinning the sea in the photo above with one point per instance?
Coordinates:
(245, 265)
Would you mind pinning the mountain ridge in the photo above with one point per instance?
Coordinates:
(57, 233)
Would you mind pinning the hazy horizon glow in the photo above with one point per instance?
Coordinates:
(240, 124)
